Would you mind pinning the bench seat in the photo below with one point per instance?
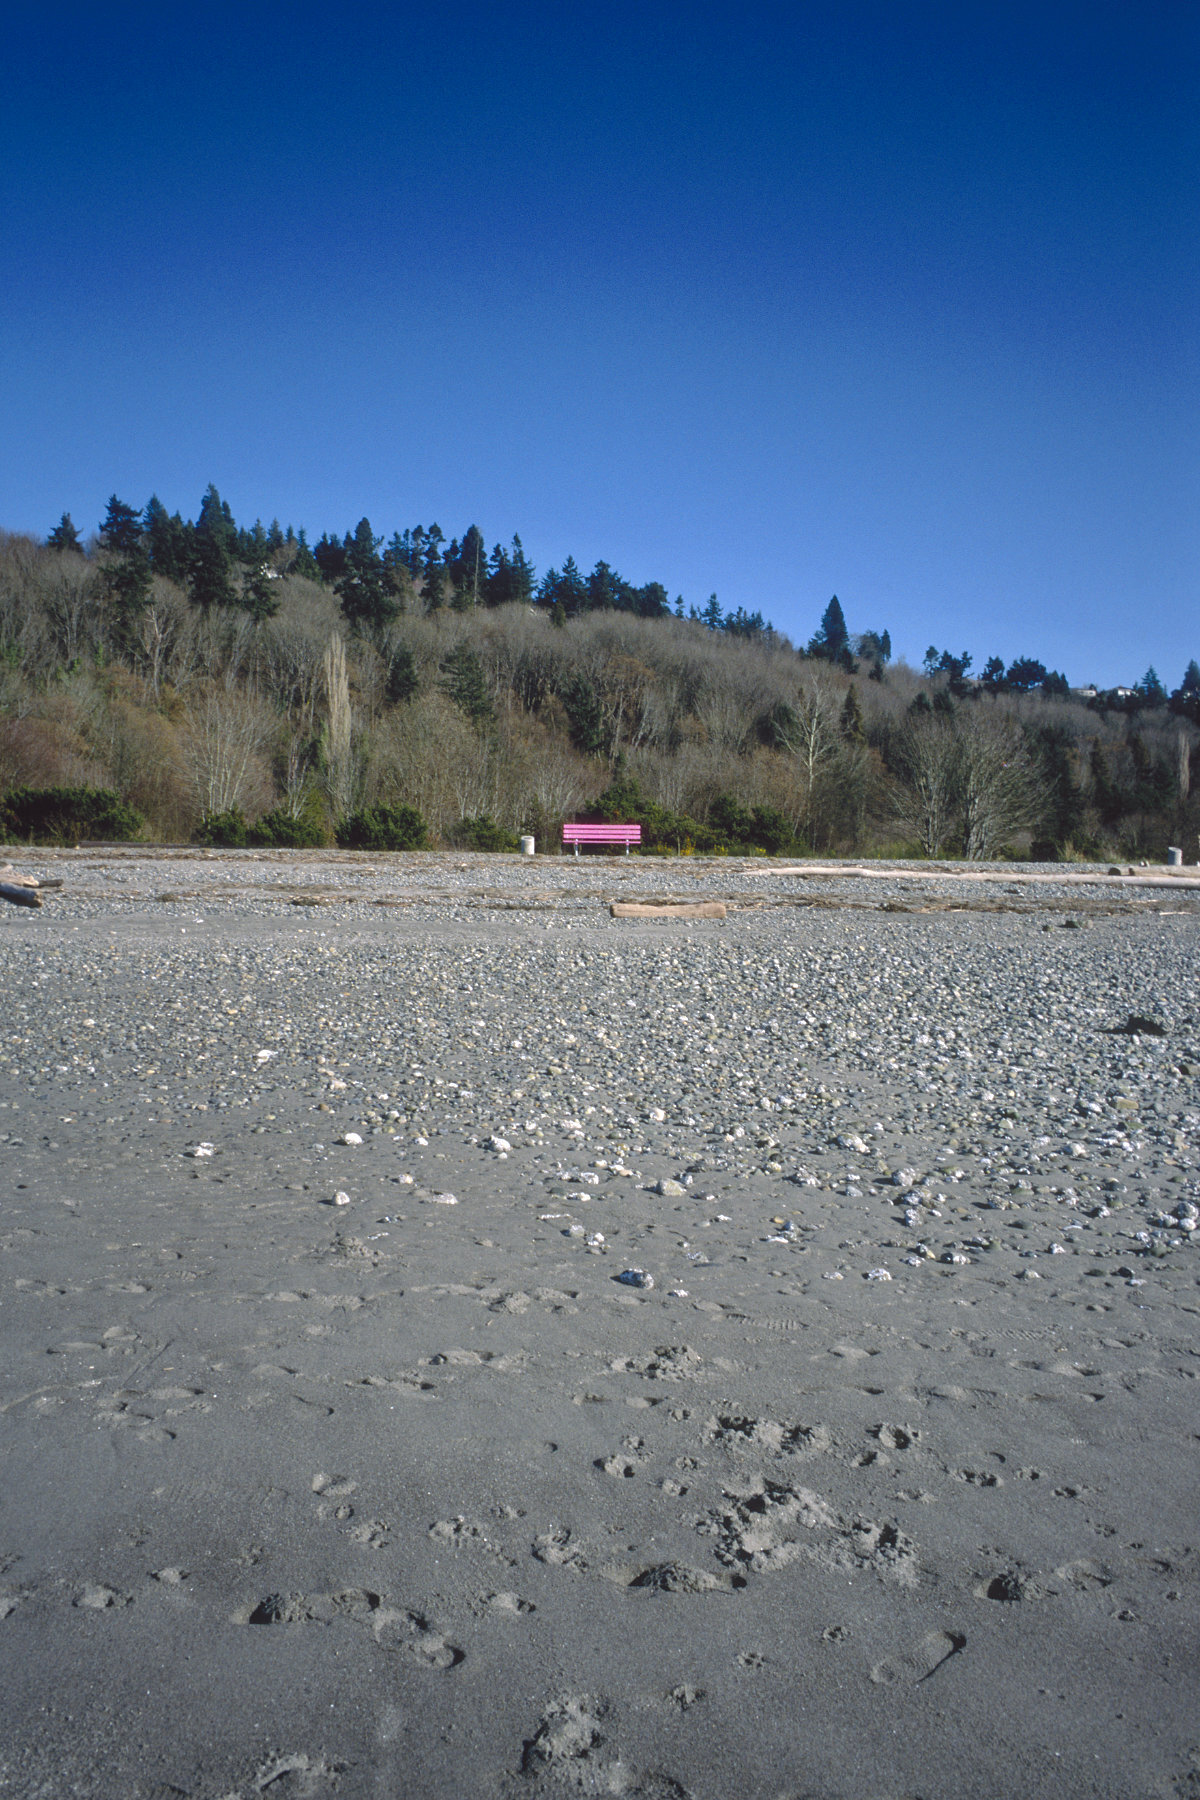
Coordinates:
(602, 834)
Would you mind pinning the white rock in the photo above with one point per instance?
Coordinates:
(201, 1150)
(499, 1143)
(668, 1187)
(341, 1198)
(443, 1200)
(350, 1137)
(657, 1114)
(637, 1278)
(880, 1274)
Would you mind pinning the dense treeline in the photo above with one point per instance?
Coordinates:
(236, 685)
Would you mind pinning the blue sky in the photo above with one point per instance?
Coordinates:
(891, 300)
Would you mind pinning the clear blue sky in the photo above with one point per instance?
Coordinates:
(895, 301)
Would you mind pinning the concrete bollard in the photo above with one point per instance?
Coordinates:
(1174, 857)
(528, 846)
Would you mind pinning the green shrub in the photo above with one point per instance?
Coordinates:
(279, 830)
(383, 828)
(224, 830)
(771, 831)
(65, 815)
(482, 833)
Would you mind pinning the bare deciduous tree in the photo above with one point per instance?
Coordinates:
(338, 749)
(223, 740)
(928, 755)
(997, 784)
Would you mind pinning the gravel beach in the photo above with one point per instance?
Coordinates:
(457, 1342)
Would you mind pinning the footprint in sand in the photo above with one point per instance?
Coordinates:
(97, 1596)
(919, 1663)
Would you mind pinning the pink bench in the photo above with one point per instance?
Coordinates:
(602, 834)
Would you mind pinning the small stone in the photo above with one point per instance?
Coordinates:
(904, 1178)
(350, 1137)
(669, 1188)
(201, 1151)
(636, 1278)
(443, 1200)
(499, 1143)
(878, 1275)
(341, 1198)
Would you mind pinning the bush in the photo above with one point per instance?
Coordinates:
(224, 830)
(64, 815)
(280, 831)
(383, 828)
(482, 834)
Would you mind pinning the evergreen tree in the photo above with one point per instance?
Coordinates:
(650, 601)
(127, 572)
(831, 642)
(572, 589)
(604, 588)
(259, 598)
(121, 529)
(64, 536)
(465, 682)
(433, 573)
(851, 721)
(1024, 674)
(367, 600)
(168, 541)
(1186, 698)
(523, 573)
(992, 675)
(304, 562)
(1151, 689)
(330, 557)
(213, 542)
(711, 616)
(402, 682)
(586, 715)
(471, 568)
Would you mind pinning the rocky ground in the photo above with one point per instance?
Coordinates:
(456, 1342)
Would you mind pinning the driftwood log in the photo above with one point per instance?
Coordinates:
(690, 909)
(21, 890)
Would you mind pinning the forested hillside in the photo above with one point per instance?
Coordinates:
(219, 680)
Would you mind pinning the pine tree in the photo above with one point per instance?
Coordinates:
(64, 536)
(362, 587)
(213, 540)
(851, 722)
(433, 572)
(127, 572)
(831, 641)
(465, 682)
(168, 541)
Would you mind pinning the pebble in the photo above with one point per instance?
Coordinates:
(341, 1198)
(636, 1278)
(728, 1056)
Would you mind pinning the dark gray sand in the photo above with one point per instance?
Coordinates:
(886, 1487)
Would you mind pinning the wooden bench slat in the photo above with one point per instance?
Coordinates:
(602, 834)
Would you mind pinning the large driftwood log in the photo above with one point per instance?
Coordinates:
(19, 894)
(691, 909)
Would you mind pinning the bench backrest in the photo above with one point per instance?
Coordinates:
(602, 834)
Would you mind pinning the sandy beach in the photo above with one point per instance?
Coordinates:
(456, 1342)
